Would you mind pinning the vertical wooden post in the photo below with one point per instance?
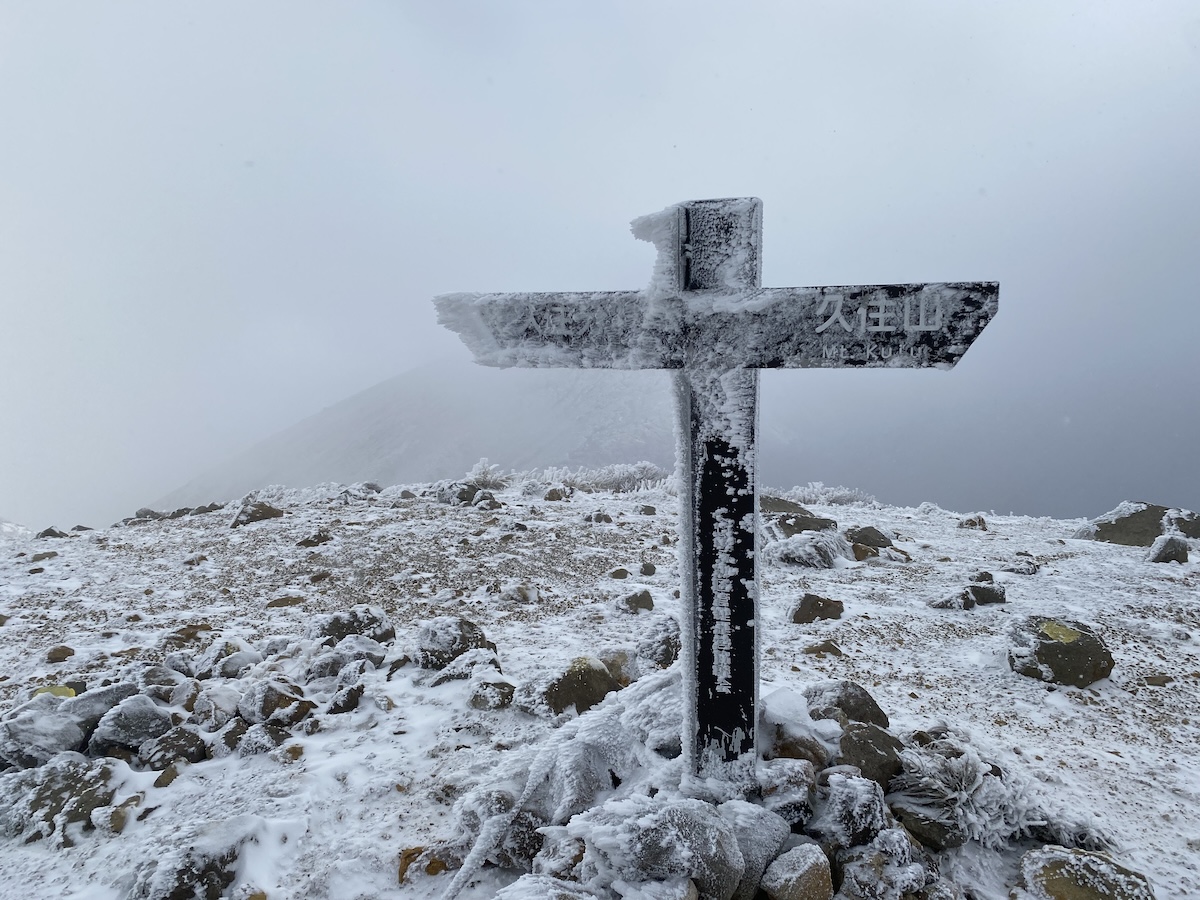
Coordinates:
(717, 414)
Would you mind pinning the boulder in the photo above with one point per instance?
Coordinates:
(585, 683)
(801, 873)
(848, 696)
(58, 654)
(491, 693)
(52, 532)
(660, 644)
(788, 788)
(445, 638)
(202, 865)
(316, 539)
(769, 504)
(544, 887)
(370, 621)
(128, 725)
(274, 703)
(55, 800)
(873, 750)
(975, 521)
(637, 601)
(1057, 873)
(883, 870)
(1171, 547)
(760, 835)
(37, 730)
(1138, 524)
(182, 742)
(474, 662)
(790, 525)
(812, 549)
(639, 839)
(1061, 651)
(983, 593)
(869, 536)
(812, 607)
(850, 811)
(255, 511)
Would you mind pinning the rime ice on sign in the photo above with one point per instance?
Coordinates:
(706, 316)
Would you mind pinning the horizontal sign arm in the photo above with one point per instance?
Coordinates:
(846, 326)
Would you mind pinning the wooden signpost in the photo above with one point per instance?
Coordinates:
(706, 317)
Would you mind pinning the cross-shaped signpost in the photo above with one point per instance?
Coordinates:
(706, 317)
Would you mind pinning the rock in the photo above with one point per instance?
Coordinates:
(850, 811)
(1171, 547)
(255, 511)
(640, 839)
(982, 594)
(812, 549)
(37, 730)
(553, 495)
(58, 654)
(769, 504)
(824, 647)
(261, 738)
(226, 741)
(52, 532)
(474, 662)
(786, 526)
(207, 508)
(316, 539)
(934, 832)
(235, 664)
(1059, 651)
(647, 511)
(42, 557)
(81, 528)
(621, 665)
(274, 703)
(147, 513)
(1138, 524)
(975, 521)
(195, 559)
(406, 494)
(862, 552)
(873, 750)
(1022, 567)
(370, 621)
(585, 683)
(89, 707)
(638, 600)
(786, 730)
(851, 698)
(801, 873)
(327, 665)
(788, 788)
(648, 569)
(760, 835)
(660, 645)
(813, 607)
(128, 725)
(285, 600)
(56, 799)
(619, 573)
(359, 646)
(869, 536)
(180, 743)
(883, 870)
(445, 638)
(201, 867)
(493, 693)
(1056, 873)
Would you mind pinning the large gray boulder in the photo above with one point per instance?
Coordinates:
(1172, 547)
(1060, 651)
(1057, 873)
(639, 839)
(1138, 524)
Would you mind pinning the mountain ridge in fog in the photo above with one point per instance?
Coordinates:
(438, 420)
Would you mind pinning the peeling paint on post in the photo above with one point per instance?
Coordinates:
(706, 316)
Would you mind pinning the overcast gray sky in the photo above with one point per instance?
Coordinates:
(218, 218)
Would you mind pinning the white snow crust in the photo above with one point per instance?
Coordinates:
(331, 822)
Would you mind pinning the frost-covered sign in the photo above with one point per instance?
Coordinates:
(706, 316)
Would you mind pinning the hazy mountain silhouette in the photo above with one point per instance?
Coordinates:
(438, 420)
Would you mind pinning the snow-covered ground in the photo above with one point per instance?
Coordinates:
(329, 813)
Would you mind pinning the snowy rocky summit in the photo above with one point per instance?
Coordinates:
(471, 688)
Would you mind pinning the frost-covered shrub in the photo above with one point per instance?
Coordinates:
(948, 783)
(618, 478)
(487, 476)
(818, 494)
